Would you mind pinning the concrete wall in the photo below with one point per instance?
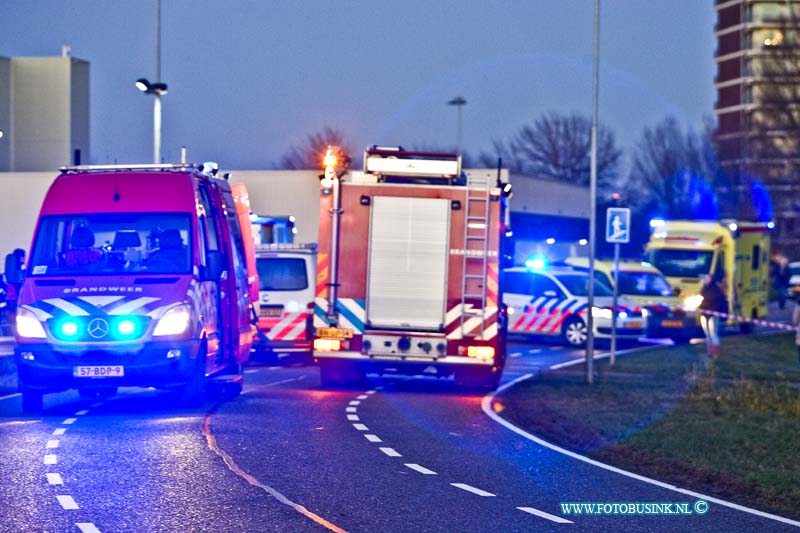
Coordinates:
(549, 197)
(5, 114)
(21, 195)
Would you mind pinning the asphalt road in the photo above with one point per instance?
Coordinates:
(287, 455)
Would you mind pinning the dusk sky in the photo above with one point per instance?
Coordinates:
(249, 79)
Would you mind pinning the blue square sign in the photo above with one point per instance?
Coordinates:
(618, 225)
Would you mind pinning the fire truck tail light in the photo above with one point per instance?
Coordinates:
(327, 345)
(480, 352)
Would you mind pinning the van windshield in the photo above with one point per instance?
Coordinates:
(644, 284)
(112, 243)
(682, 263)
(281, 274)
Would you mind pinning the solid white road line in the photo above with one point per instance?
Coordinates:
(542, 514)
(362, 397)
(82, 412)
(67, 502)
(59, 431)
(69, 421)
(391, 452)
(360, 427)
(372, 438)
(355, 402)
(87, 527)
(54, 479)
(50, 459)
(486, 405)
(420, 469)
(470, 488)
(352, 418)
(9, 396)
(52, 443)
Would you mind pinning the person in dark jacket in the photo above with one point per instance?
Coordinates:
(714, 301)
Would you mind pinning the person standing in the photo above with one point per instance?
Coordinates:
(714, 301)
(796, 324)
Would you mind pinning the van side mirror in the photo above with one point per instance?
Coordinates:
(215, 264)
(14, 271)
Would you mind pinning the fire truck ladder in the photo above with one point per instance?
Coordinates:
(476, 248)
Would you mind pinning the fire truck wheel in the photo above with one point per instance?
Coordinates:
(575, 332)
(32, 401)
(477, 378)
(337, 374)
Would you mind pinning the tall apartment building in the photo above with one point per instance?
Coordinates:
(758, 111)
(44, 112)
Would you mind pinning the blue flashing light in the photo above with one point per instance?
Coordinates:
(657, 222)
(126, 327)
(537, 262)
(771, 225)
(69, 328)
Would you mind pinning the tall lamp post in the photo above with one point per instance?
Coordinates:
(157, 89)
(458, 102)
(593, 200)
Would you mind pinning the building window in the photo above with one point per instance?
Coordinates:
(767, 38)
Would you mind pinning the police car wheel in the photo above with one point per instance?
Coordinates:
(575, 332)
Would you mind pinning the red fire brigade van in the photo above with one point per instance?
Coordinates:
(407, 274)
(137, 276)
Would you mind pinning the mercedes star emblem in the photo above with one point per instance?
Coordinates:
(98, 328)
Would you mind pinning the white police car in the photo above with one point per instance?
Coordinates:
(554, 302)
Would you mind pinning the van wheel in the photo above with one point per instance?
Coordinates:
(193, 393)
(32, 400)
(575, 332)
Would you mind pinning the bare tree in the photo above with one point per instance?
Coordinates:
(309, 154)
(558, 147)
(673, 172)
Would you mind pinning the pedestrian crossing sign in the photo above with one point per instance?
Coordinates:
(618, 225)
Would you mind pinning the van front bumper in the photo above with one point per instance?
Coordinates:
(163, 364)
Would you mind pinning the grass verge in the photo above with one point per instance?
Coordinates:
(730, 428)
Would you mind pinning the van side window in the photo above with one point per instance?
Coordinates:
(207, 223)
(756, 255)
(235, 232)
(541, 284)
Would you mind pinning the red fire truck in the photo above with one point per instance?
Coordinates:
(407, 271)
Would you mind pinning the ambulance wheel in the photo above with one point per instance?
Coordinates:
(575, 332)
(32, 401)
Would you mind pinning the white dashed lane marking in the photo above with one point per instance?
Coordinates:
(87, 527)
(352, 418)
(355, 402)
(420, 469)
(360, 427)
(351, 410)
(370, 392)
(391, 452)
(54, 479)
(470, 488)
(82, 412)
(372, 438)
(69, 421)
(362, 397)
(515, 354)
(542, 514)
(50, 459)
(52, 443)
(67, 502)
(59, 431)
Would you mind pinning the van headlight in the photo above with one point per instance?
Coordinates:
(691, 303)
(600, 312)
(29, 326)
(174, 322)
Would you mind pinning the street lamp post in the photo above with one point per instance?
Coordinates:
(592, 201)
(458, 102)
(157, 89)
